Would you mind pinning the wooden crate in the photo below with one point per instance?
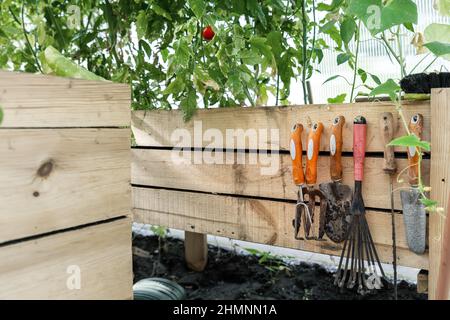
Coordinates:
(47, 267)
(237, 201)
(65, 159)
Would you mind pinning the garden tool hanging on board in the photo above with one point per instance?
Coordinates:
(339, 196)
(305, 210)
(414, 215)
(359, 247)
(390, 168)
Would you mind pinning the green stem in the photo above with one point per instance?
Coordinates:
(304, 51)
(355, 71)
(393, 53)
(25, 33)
(418, 63)
(429, 65)
(400, 53)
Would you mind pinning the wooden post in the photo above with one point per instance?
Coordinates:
(440, 179)
(195, 250)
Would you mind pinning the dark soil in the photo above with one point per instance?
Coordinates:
(232, 276)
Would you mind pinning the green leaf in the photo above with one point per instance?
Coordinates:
(64, 67)
(378, 18)
(409, 26)
(338, 99)
(362, 74)
(438, 48)
(443, 6)
(428, 202)
(410, 141)
(250, 57)
(390, 87)
(175, 87)
(161, 12)
(375, 79)
(438, 32)
(198, 7)
(3, 34)
(189, 104)
(342, 57)
(141, 24)
(1, 115)
(398, 12)
(331, 78)
(348, 28)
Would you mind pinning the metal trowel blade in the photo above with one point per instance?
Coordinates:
(415, 219)
(338, 214)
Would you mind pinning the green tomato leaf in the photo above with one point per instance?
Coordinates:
(338, 99)
(198, 7)
(410, 141)
(161, 12)
(141, 24)
(189, 104)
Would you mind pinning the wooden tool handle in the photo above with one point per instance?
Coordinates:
(313, 153)
(387, 133)
(359, 146)
(296, 154)
(416, 128)
(336, 148)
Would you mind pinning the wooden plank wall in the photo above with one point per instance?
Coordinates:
(65, 187)
(440, 180)
(237, 201)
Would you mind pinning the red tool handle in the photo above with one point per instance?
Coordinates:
(416, 128)
(296, 154)
(336, 148)
(312, 154)
(359, 146)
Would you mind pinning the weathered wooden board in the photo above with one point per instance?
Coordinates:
(47, 267)
(58, 178)
(36, 101)
(440, 178)
(156, 128)
(254, 177)
(262, 221)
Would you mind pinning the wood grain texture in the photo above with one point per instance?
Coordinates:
(155, 128)
(38, 269)
(195, 250)
(440, 178)
(32, 100)
(161, 168)
(262, 221)
(58, 178)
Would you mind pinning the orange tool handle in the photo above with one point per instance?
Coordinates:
(296, 154)
(336, 148)
(312, 153)
(416, 128)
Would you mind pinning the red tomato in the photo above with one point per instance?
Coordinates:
(208, 33)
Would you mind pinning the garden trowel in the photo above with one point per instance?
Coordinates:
(414, 215)
(338, 195)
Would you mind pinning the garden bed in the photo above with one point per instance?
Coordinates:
(232, 276)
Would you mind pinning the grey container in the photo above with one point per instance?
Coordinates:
(158, 289)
